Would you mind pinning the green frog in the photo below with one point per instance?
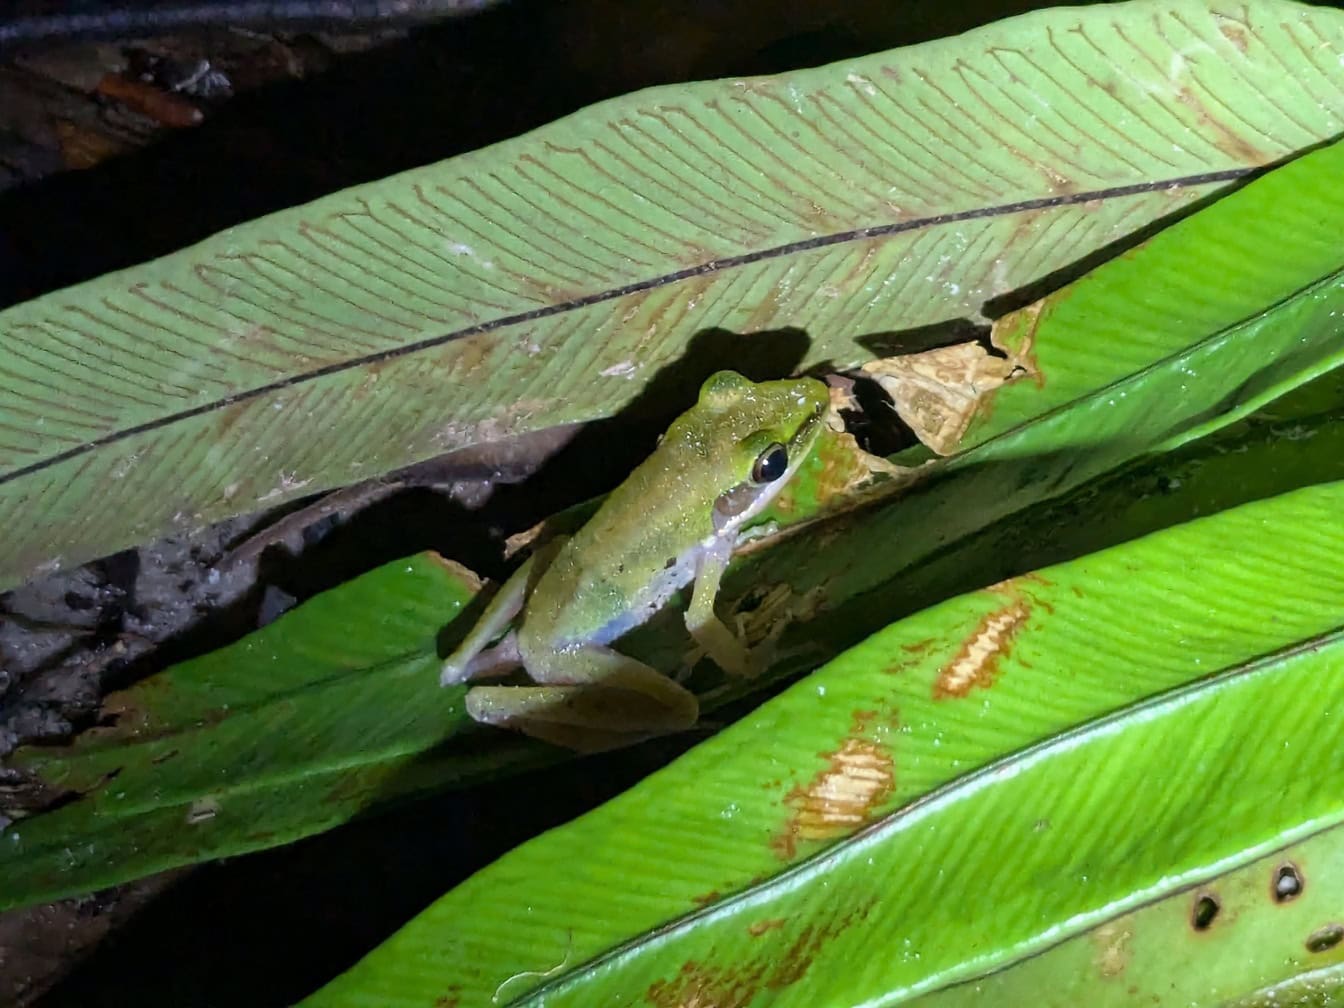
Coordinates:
(675, 519)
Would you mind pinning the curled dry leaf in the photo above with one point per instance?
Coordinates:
(937, 392)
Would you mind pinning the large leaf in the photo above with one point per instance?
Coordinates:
(1266, 925)
(998, 781)
(340, 696)
(545, 279)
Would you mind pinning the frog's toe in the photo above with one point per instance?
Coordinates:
(454, 673)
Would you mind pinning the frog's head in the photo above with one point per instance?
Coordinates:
(752, 437)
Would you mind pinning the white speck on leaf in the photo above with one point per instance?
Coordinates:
(625, 369)
(862, 83)
(287, 484)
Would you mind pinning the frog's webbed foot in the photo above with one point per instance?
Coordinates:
(592, 698)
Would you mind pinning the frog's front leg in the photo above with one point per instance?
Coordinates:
(720, 643)
(472, 658)
(591, 698)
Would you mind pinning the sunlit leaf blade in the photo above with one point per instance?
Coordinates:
(545, 279)
(984, 844)
(1253, 936)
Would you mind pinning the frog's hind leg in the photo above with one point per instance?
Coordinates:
(592, 698)
(473, 658)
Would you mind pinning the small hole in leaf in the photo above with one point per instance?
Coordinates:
(1287, 882)
(1323, 939)
(1206, 909)
(752, 600)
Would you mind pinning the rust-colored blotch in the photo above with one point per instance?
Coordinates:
(839, 799)
(977, 663)
(777, 965)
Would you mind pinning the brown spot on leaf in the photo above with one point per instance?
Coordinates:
(1112, 950)
(1014, 335)
(464, 574)
(225, 418)
(1224, 138)
(451, 998)
(977, 663)
(839, 799)
(761, 927)
(858, 272)
(1325, 938)
(352, 787)
(772, 966)
(1234, 32)
(768, 311)
(700, 986)
(915, 652)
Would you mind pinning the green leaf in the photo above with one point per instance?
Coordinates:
(975, 785)
(545, 279)
(294, 729)
(1262, 947)
(346, 723)
(1142, 307)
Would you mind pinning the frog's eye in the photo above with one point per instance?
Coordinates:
(770, 465)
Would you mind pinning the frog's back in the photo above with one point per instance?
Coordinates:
(643, 544)
(630, 557)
